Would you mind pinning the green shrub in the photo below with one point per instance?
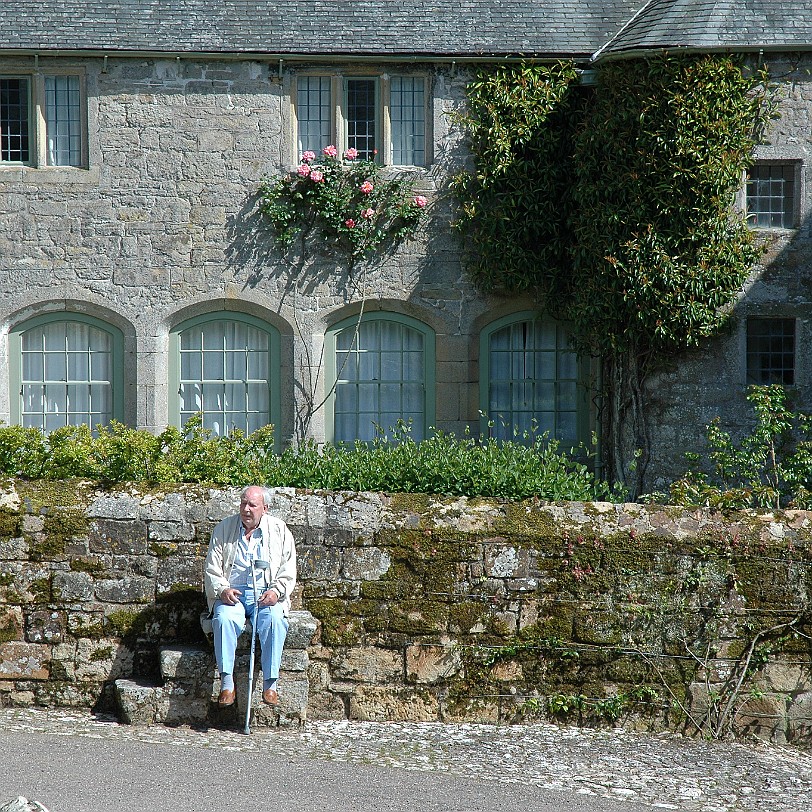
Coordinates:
(441, 464)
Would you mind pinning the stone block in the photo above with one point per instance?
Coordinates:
(186, 663)
(799, 719)
(319, 563)
(133, 589)
(138, 702)
(72, 586)
(25, 661)
(429, 664)
(11, 624)
(368, 664)
(171, 531)
(116, 506)
(100, 660)
(14, 549)
(113, 536)
(374, 704)
(43, 626)
(365, 563)
(506, 562)
(301, 630)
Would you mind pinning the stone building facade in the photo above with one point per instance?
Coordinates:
(139, 280)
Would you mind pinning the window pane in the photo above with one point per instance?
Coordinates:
(533, 381)
(361, 117)
(407, 115)
(314, 114)
(385, 385)
(63, 133)
(771, 351)
(225, 373)
(14, 119)
(66, 372)
(771, 195)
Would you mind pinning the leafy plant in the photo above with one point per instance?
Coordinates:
(615, 207)
(343, 204)
(768, 468)
(442, 464)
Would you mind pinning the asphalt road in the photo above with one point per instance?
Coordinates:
(69, 773)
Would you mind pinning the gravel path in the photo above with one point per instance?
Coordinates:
(665, 771)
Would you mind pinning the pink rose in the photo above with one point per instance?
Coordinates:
(308, 156)
(317, 176)
(420, 201)
(303, 171)
(367, 213)
(367, 187)
(351, 154)
(349, 223)
(330, 151)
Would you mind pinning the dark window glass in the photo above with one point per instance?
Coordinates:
(771, 351)
(361, 117)
(14, 117)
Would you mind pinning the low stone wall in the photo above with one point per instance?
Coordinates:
(432, 608)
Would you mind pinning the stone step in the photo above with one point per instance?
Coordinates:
(191, 684)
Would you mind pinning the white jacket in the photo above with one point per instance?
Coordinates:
(276, 547)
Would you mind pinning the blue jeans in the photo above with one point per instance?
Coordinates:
(228, 623)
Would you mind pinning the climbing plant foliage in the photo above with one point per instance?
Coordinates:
(343, 204)
(614, 204)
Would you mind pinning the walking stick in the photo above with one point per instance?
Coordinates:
(256, 563)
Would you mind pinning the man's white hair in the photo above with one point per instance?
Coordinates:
(267, 496)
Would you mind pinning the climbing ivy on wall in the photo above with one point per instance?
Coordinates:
(614, 206)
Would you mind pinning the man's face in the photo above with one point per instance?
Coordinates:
(252, 506)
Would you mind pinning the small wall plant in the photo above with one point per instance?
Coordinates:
(345, 204)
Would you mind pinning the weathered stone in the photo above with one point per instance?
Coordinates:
(374, 704)
(13, 549)
(431, 664)
(72, 586)
(44, 626)
(138, 702)
(368, 664)
(185, 662)
(22, 804)
(301, 630)
(171, 531)
(125, 590)
(100, 660)
(365, 564)
(118, 506)
(24, 661)
(318, 563)
(113, 536)
(11, 624)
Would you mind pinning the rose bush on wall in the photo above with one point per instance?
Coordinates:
(345, 203)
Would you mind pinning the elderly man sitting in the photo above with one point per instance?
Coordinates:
(235, 544)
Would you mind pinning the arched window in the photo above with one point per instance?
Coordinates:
(531, 380)
(382, 371)
(227, 368)
(65, 370)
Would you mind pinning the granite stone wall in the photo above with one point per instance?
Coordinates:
(431, 608)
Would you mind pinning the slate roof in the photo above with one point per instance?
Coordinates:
(421, 28)
(454, 28)
(712, 25)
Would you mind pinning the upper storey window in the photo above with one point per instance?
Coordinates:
(382, 117)
(42, 120)
(772, 194)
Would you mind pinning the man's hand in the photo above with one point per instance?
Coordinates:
(230, 596)
(269, 598)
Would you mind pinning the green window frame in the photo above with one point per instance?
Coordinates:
(226, 366)
(66, 369)
(379, 370)
(532, 381)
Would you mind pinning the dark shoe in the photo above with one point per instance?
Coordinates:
(225, 699)
(270, 697)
